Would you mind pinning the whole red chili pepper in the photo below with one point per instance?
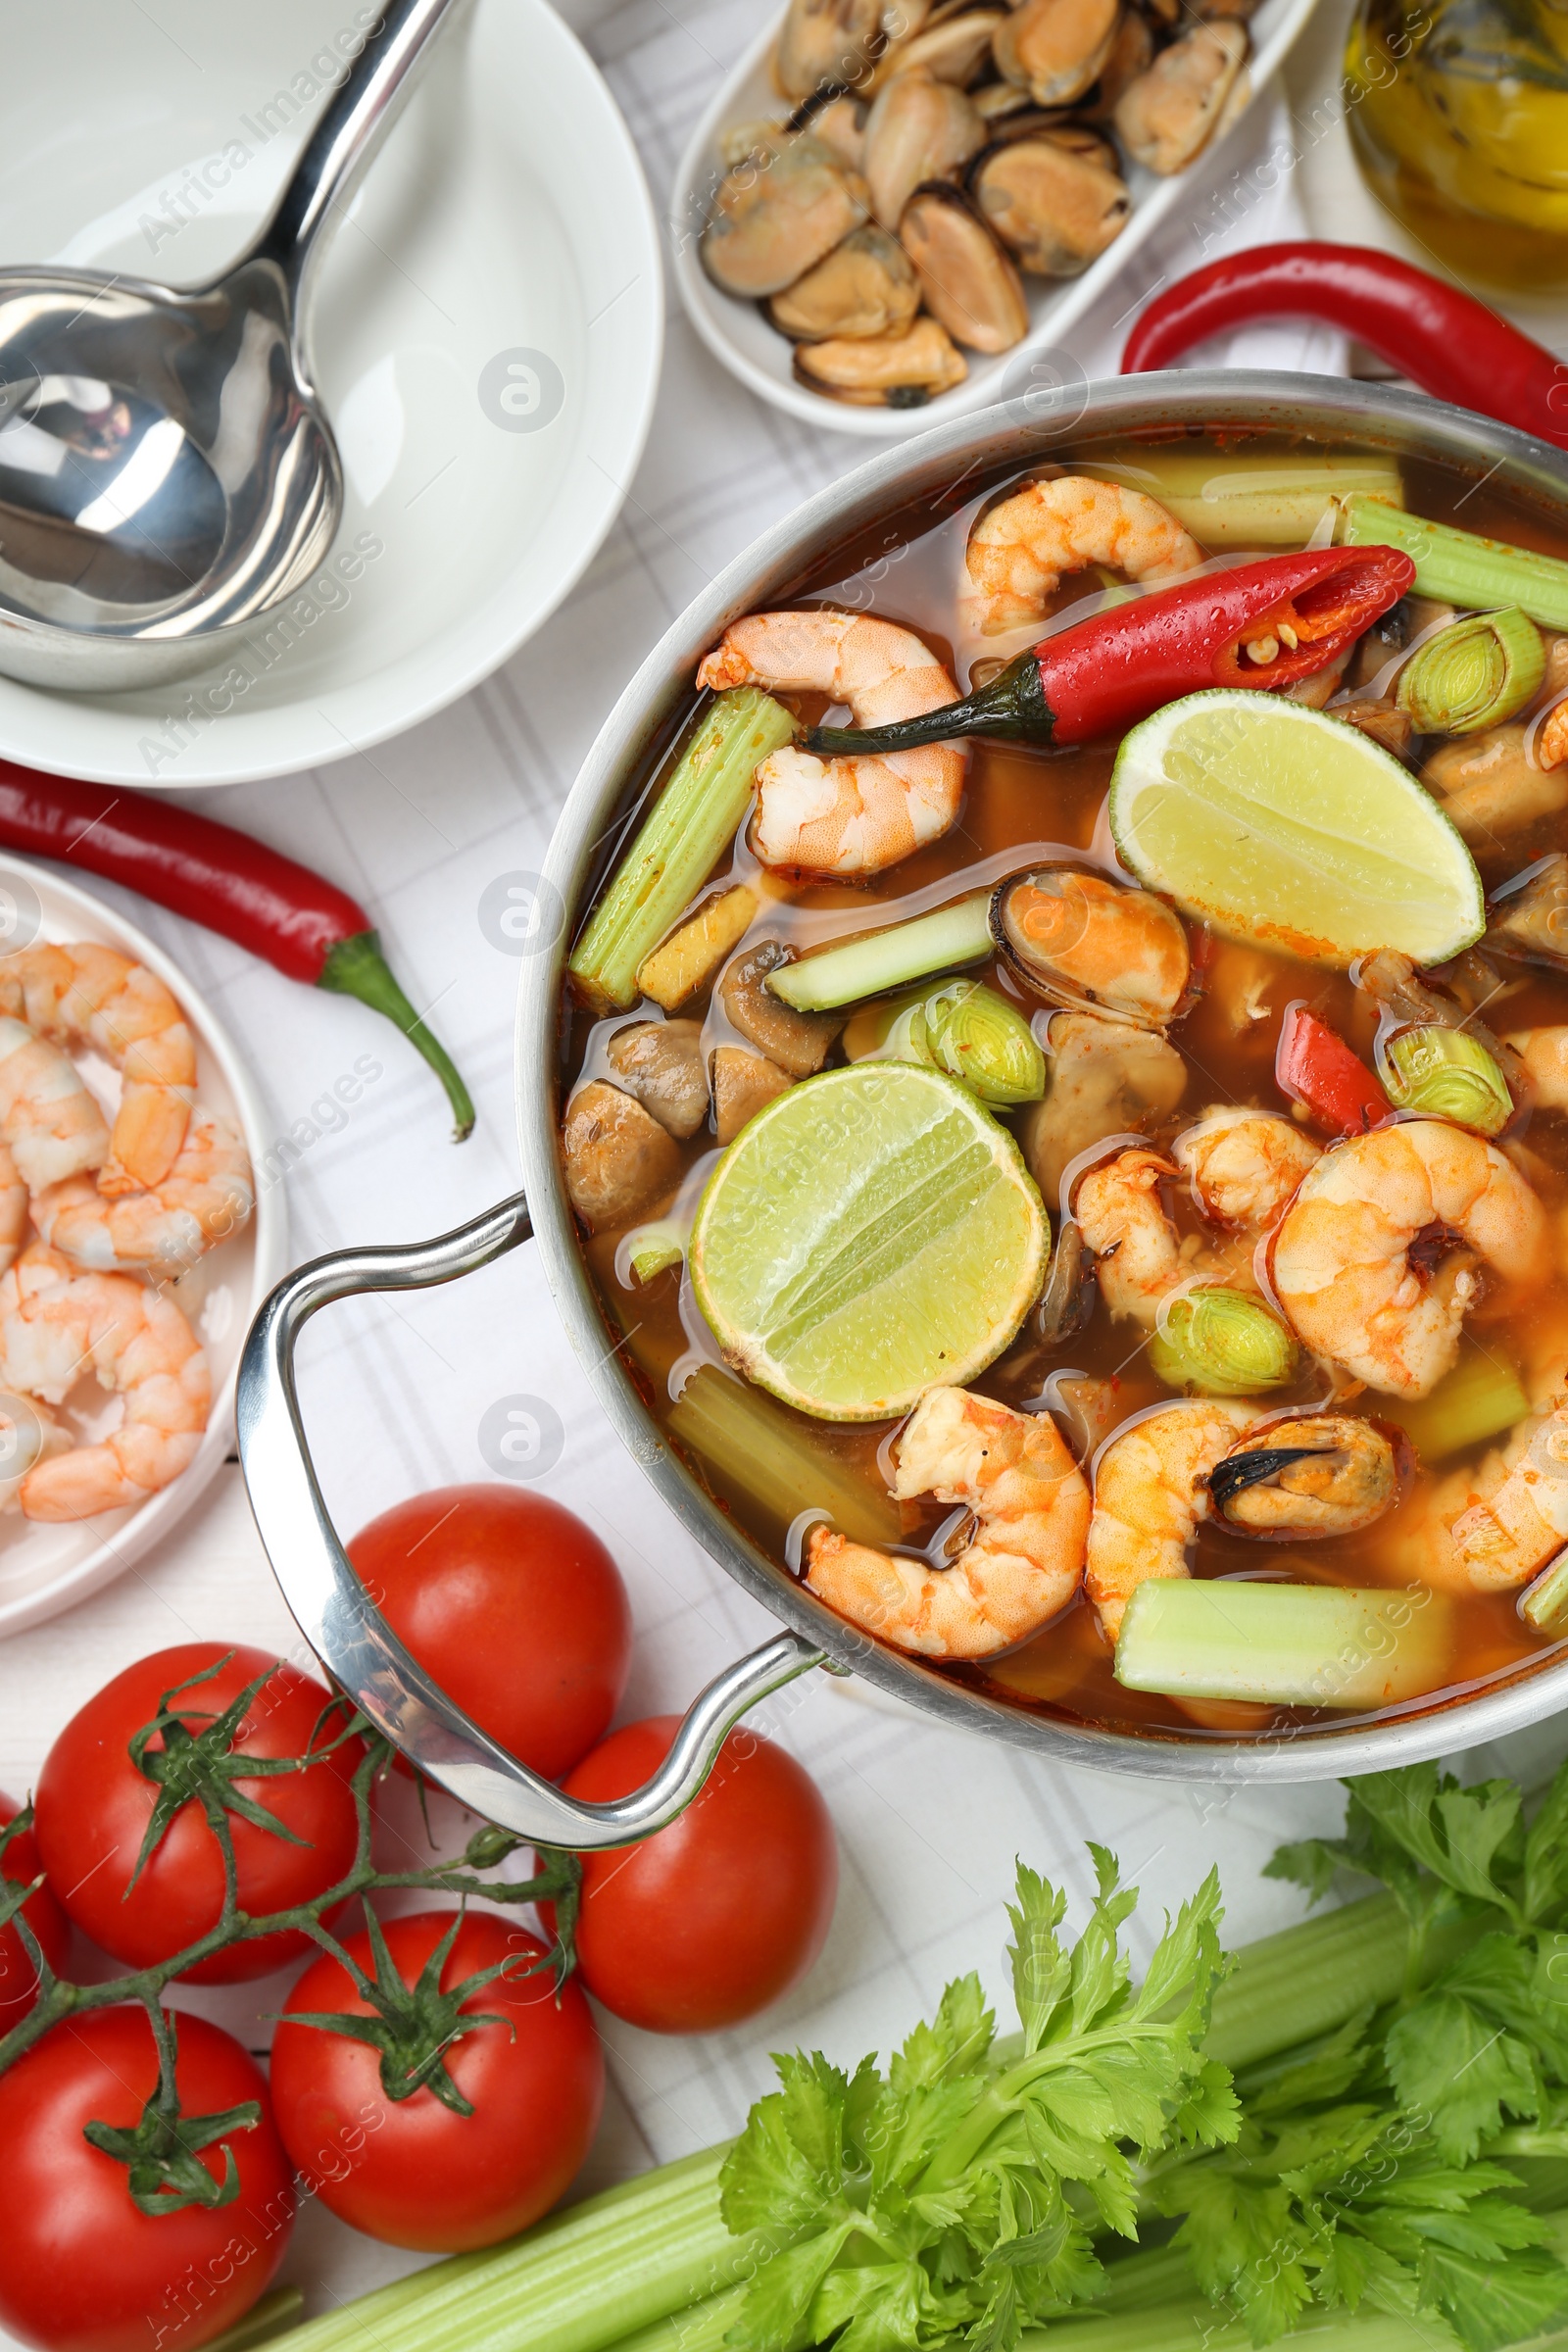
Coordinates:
(1445, 341)
(1103, 676)
(214, 875)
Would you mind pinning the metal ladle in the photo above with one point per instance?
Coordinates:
(166, 471)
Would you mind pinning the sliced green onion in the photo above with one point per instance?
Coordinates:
(1459, 566)
(1475, 674)
(1222, 1343)
(1284, 1645)
(652, 1249)
(1480, 1399)
(685, 835)
(879, 960)
(963, 1028)
(1447, 1074)
(1545, 1604)
(1260, 501)
(756, 1449)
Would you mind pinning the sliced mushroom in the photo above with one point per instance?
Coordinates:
(1056, 49)
(1053, 208)
(1078, 938)
(1169, 115)
(826, 40)
(660, 1063)
(797, 1042)
(953, 51)
(775, 215)
(893, 371)
(1132, 53)
(917, 129)
(619, 1158)
(969, 284)
(866, 286)
(742, 1084)
(1385, 722)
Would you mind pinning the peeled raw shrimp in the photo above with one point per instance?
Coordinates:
(207, 1196)
(856, 814)
(1149, 1495)
(1342, 1262)
(1489, 1530)
(1244, 1164)
(49, 1121)
(57, 1324)
(1022, 1562)
(1022, 548)
(86, 996)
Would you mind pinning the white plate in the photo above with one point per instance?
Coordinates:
(507, 214)
(739, 335)
(44, 1568)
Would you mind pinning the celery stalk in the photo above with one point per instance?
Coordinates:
(682, 838)
(1480, 1399)
(278, 2311)
(1459, 566)
(755, 1447)
(701, 2328)
(1544, 1604)
(888, 959)
(1252, 502)
(1314, 1646)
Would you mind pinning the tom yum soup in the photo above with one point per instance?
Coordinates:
(1069, 1088)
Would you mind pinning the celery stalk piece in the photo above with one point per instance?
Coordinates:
(701, 2328)
(682, 838)
(275, 2311)
(652, 1249)
(878, 960)
(1481, 575)
(1480, 1399)
(1545, 1604)
(1283, 1645)
(755, 1447)
(1252, 502)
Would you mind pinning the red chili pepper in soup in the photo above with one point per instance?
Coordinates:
(1263, 624)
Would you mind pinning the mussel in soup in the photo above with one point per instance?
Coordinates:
(1077, 939)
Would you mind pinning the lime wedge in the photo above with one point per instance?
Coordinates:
(1283, 825)
(871, 1233)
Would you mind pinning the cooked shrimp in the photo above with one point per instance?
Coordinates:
(1022, 1560)
(29, 1433)
(57, 1324)
(1022, 549)
(857, 814)
(88, 996)
(1552, 744)
(1137, 1247)
(14, 1209)
(1341, 1261)
(1245, 1165)
(49, 1121)
(1545, 1054)
(1151, 1493)
(1104, 1077)
(207, 1196)
(1489, 1530)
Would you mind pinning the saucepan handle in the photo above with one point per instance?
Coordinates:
(349, 1633)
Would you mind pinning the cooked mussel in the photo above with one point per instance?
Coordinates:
(1055, 209)
(865, 286)
(1169, 115)
(969, 283)
(918, 129)
(840, 123)
(953, 51)
(826, 40)
(1079, 939)
(893, 372)
(1310, 1475)
(1056, 49)
(778, 214)
(1132, 52)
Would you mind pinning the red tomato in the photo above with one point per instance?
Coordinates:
(710, 1920)
(18, 1977)
(516, 1608)
(81, 2268)
(411, 2170)
(94, 1806)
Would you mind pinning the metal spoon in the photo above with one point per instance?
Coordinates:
(166, 471)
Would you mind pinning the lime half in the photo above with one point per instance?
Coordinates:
(871, 1233)
(1283, 825)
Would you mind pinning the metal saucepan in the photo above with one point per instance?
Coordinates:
(339, 1621)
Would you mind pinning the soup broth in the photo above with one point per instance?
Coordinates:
(1027, 807)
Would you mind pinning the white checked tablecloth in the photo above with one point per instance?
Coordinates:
(928, 1820)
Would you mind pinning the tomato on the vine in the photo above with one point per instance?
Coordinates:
(513, 1604)
(95, 1806)
(82, 2269)
(18, 1975)
(709, 1920)
(411, 2170)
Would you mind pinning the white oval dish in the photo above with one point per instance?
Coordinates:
(44, 1568)
(737, 333)
(506, 220)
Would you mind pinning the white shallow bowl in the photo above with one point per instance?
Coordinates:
(739, 335)
(44, 1568)
(506, 218)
